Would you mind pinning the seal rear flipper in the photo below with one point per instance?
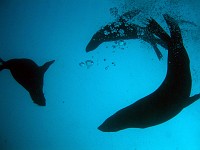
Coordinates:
(161, 43)
(157, 51)
(156, 29)
(46, 66)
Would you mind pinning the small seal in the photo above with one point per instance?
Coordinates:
(28, 74)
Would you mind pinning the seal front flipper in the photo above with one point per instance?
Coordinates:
(154, 45)
(46, 66)
(156, 29)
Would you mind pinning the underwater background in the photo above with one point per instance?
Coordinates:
(83, 89)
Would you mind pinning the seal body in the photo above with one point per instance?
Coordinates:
(172, 95)
(28, 74)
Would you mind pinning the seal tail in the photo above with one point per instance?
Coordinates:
(2, 64)
(46, 66)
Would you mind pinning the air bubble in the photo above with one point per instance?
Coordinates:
(82, 64)
(89, 63)
(106, 68)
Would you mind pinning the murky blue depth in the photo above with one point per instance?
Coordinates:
(83, 89)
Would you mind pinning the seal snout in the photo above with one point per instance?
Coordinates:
(93, 44)
(38, 97)
(103, 128)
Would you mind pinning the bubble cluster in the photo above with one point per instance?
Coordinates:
(82, 64)
(106, 68)
(120, 43)
(87, 63)
(106, 32)
(114, 11)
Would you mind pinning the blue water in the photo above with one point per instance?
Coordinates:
(80, 98)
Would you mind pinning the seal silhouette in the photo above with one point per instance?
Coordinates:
(28, 74)
(122, 29)
(172, 95)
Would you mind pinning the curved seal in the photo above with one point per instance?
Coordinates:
(123, 30)
(170, 98)
(28, 74)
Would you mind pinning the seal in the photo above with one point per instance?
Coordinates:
(122, 29)
(172, 96)
(28, 74)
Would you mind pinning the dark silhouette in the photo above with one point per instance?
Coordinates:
(170, 98)
(29, 75)
(123, 30)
